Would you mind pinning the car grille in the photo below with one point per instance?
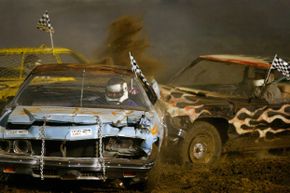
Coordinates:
(113, 147)
(83, 148)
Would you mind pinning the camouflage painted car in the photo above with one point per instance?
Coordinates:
(219, 104)
(62, 126)
(16, 63)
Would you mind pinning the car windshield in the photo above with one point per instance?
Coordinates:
(211, 73)
(80, 89)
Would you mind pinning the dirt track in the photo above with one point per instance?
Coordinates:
(251, 174)
(243, 173)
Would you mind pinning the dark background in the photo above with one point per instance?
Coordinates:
(177, 30)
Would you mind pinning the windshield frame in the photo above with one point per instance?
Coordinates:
(144, 95)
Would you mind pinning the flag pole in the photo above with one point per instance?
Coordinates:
(267, 78)
(45, 25)
(269, 71)
(51, 40)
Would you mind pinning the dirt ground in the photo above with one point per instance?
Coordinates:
(235, 173)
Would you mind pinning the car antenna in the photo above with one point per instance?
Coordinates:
(82, 89)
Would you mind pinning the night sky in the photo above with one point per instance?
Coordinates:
(177, 31)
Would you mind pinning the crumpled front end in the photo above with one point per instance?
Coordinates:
(78, 143)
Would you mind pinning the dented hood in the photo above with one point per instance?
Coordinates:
(77, 115)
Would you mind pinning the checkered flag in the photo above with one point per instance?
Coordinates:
(136, 69)
(44, 23)
(282, 66)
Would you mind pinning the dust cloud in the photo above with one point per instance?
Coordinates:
(126, 35)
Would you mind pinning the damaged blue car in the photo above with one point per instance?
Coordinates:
(82, 122)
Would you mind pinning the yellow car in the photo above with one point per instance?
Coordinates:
(16, 63)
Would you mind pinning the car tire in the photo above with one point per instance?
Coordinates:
(202, 145)
(151, 179)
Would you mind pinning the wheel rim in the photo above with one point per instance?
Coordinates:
(201, 149)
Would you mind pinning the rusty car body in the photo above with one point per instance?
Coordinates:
(212, 107)
(59, 127)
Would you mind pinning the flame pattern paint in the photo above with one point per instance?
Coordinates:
(191, 107)
(261, 120)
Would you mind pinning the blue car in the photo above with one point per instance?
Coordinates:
(81, 122)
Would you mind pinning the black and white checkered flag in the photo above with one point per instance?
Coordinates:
(282, 66)
(136, 69)
(44, 23)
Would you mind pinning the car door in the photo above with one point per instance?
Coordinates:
(259, 123)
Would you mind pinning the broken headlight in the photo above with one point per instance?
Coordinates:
(5, 145)
(21, 146)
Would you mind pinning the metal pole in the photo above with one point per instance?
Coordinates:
(51, 39)
(263, 89)
(269, 71)
(82, 89)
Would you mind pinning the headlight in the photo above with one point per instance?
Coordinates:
(118, 144)
(5, 146)
(21, 146)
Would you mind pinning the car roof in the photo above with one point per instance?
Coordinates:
(42, 50)
(44, 68)
(32, 50)
(254, 61)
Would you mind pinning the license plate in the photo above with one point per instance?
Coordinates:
(81, 132)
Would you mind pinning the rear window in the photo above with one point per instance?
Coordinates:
(11, 63)
(10, 66)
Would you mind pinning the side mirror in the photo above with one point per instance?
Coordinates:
(155, 88)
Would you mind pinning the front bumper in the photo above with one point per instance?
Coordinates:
(76, 168)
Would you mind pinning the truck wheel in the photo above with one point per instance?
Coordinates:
(202, 145)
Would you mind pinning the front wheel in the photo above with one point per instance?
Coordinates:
(202, 145)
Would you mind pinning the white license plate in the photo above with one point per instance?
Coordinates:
(81, 132)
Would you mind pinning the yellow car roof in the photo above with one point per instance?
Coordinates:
(42, 50)
(34, 50)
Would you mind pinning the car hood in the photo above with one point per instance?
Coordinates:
(30, 114)
(194, 91)
(181, 101)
